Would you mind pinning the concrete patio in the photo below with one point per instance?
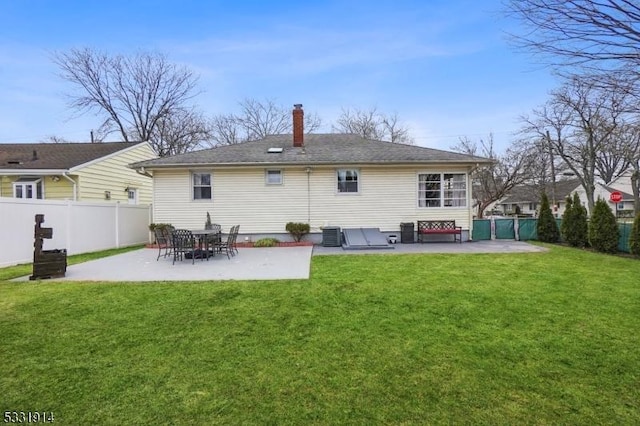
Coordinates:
(493, 246)
(255, 263)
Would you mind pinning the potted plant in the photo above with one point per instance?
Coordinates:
(207, 223)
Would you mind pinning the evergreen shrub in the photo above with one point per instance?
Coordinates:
(297, 230)
(547, 227)
(603, 228)
(634, 238)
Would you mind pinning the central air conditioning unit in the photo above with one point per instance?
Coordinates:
(331, 236)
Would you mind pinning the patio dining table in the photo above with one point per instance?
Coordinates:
(207, 240)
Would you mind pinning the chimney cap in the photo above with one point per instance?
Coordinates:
(297, 106)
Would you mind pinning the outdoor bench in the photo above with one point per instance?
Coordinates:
(439, 227)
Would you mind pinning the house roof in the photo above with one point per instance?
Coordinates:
(55, 156)
(625, 195)
(330, 148)
(531, 194)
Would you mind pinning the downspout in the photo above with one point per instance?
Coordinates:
(308, 171)
(75, 185)
(470, 199)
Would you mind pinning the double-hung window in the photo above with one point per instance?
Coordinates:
(442, 190)
(348, 181)
(28, 187)
(201, 186)
(273, 177)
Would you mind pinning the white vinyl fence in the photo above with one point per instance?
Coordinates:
(79, 227)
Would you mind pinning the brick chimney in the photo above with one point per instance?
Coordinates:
(298, 125)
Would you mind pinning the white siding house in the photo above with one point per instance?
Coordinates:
(622, 209)
(319, 179)
(75, 171)
(387, 196)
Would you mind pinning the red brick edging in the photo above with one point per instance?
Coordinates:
(250, 245)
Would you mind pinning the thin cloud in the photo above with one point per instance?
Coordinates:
(294, 50)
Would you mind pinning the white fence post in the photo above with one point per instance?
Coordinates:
(68, 234)
(117, 227)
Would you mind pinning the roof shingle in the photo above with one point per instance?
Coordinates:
(330, 148)
(531, 194)
(55, 156)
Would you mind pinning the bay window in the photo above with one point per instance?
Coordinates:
(28, 187)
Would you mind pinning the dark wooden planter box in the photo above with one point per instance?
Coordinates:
(50, 264)
(46, 263)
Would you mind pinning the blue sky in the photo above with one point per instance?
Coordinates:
(444, 67)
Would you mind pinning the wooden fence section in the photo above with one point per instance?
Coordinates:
(78, 227)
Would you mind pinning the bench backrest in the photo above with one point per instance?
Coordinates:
(436, 225)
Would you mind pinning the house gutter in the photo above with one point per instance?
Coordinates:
(31, 172)
(319, 163)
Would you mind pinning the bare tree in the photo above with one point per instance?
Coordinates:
(372, 124)
(493, 182)
(618, 154)
(597, 37)
(260, 119)
(226, 130)
(133, 95)
(601, 35)
(585, 123)
(548, 123)
(631, 152)
(635, 184)
(257, 120)
(546, 168)
(55, 139)
(180, 132)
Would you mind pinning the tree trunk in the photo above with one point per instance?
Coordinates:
(635, 187)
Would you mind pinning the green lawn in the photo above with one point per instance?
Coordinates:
(543, 338)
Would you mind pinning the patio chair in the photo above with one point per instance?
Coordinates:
(161, 241)
(226, 246)
(164, 241)
(183, 244)
(168, 247)
(214, 240)
(235, 238)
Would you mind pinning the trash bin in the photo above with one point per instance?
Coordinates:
(406, 232)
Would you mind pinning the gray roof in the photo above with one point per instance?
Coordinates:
(330, 148)
(625, 195)
(55, 156)
(532, 194)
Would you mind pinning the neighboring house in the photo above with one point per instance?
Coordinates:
(624, 185)
(75, 171)
(526, 198)
(321, 179)
(621, 209)
(623, 182)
